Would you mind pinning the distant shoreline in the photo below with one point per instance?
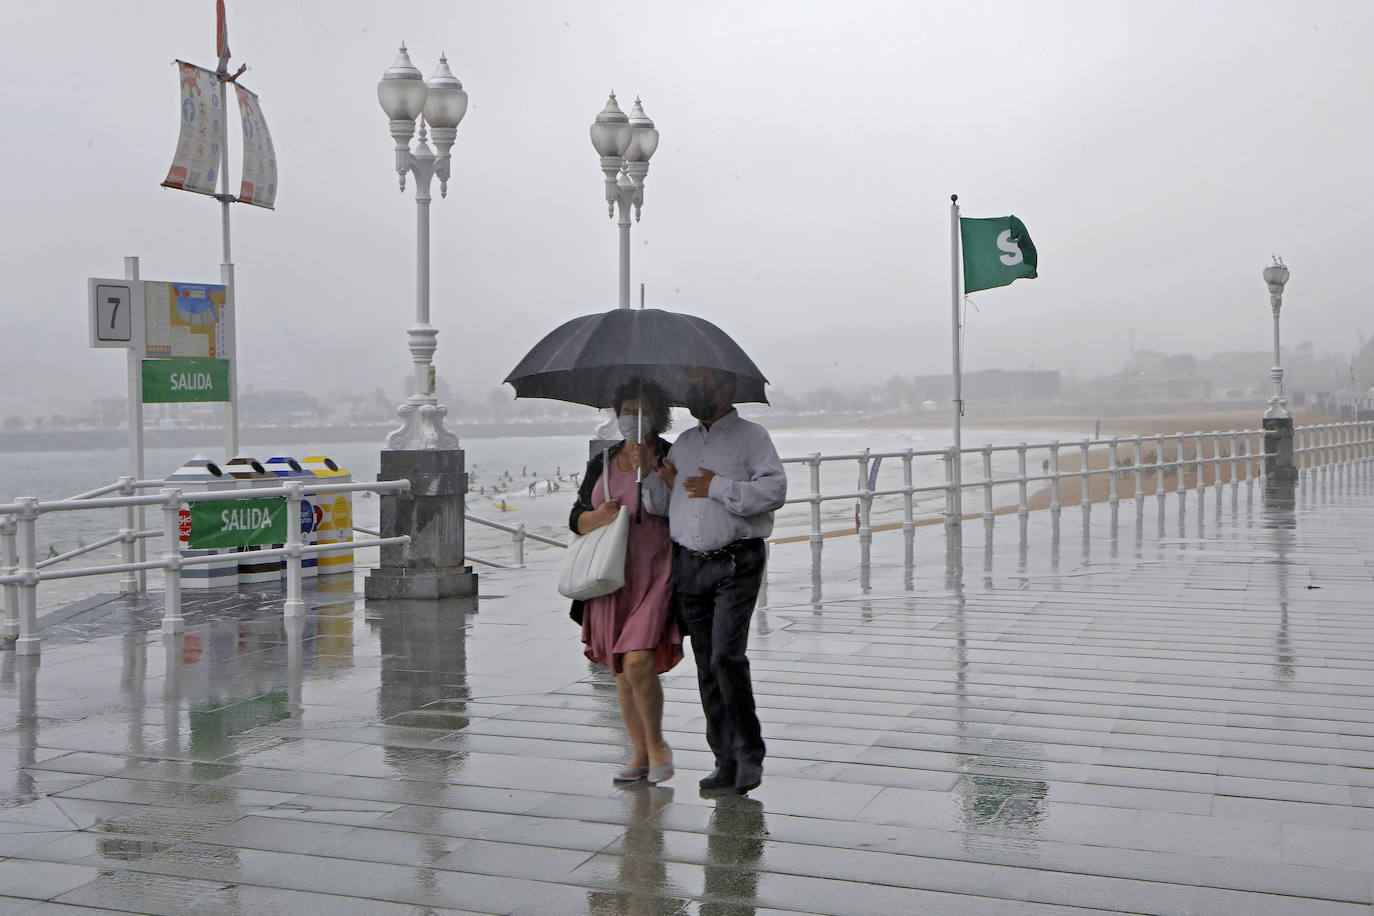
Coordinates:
(1117, 419)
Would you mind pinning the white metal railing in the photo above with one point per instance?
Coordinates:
(518, 536)
(22, 571)
(1001, 476)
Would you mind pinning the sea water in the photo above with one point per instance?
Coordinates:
(529, 480)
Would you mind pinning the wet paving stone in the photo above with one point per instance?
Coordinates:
(1146, 719)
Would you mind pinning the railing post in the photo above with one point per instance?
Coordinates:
(295, 603)
(1054, 476)
(172, 621)
(9, 627)
(865, 522)
(908, 511)
(1087, 499)
(128, 582)
(1199, 465)
(27, 643)
(1179, 469)
(518, 539)
(1235, 459)
(817, 539)
(988, 513)
(1022, 506)
(1159, 469)
(1113, 494)
(1138, 456)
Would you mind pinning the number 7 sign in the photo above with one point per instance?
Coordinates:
(116, 313)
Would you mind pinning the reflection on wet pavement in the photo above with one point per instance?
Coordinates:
(1173, 716)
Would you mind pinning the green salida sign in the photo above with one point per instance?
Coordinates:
(238, 523)
(184, 379)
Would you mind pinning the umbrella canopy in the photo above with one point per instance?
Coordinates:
(586, 359)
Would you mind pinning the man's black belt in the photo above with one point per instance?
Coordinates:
(720, 552)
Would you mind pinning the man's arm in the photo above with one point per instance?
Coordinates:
(764, 491)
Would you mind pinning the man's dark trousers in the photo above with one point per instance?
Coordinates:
(715, 596)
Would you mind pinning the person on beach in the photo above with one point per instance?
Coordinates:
(632, 630)
(720, 509)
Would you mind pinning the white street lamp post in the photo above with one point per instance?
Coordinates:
(1277, 422)
(1275, 276)
(430, 566)
(404, 96)
(625, 145)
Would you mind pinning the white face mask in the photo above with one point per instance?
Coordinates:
(629, 428)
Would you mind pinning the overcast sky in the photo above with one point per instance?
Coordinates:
(1158, 153)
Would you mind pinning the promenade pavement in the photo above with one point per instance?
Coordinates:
(1166, 713)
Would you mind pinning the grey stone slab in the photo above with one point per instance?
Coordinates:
(34, 880)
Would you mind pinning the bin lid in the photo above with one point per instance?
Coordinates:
(245, 468)
(285, 466)
(323, 466)
(197, 468)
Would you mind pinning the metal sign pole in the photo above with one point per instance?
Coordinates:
(136, 466)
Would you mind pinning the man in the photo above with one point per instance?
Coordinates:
(720, 509)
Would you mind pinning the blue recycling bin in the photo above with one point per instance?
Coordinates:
(290, 468)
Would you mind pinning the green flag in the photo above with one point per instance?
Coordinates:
(996, 252)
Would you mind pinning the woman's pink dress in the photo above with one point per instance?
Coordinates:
(638, 616)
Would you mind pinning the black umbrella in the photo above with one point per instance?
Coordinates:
(586, 359)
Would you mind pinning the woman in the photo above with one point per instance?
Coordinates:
(632, 630)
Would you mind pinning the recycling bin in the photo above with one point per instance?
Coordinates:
(197, 475)
(335, 518)
(249, 473)
(290, 468)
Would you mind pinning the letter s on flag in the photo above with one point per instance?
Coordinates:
(1013, 250)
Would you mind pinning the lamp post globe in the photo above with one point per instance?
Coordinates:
(401, 90)
(446, 102)
(610, 131)
(645, 136)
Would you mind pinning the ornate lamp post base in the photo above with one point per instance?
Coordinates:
(432, 514)
(1278, 449)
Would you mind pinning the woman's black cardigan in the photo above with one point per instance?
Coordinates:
(590, 481)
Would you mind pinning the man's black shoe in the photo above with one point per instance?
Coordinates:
(719, 778)
(748, 776)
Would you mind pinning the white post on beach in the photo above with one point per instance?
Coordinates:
(955, 287)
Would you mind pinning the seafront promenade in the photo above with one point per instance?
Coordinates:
(1169, 714)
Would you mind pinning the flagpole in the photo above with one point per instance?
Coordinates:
(957, 497)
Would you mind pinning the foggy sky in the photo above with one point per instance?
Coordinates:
(1158, 154)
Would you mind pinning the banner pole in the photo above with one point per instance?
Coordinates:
(226, 277)
(957, 502)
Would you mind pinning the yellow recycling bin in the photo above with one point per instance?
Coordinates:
(334, 516)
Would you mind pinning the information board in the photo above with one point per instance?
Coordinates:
(184, 320)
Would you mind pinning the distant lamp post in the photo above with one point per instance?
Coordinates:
(625, 145)
(430, 566)
(1278, 423)
(404, 97)
(1275, 276)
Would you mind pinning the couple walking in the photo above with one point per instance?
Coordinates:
(695, 555)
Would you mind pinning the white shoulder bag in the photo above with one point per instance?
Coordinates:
(595, 562)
